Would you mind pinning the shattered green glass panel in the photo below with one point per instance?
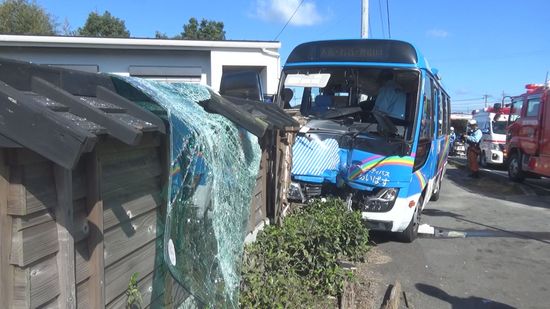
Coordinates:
(213, 170)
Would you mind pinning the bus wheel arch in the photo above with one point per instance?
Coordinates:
(437, 189)
(411, 232)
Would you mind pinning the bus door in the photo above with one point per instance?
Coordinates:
(426, 150)
(442, 134)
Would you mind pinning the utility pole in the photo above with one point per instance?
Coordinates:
(364, 19)
(485, 96)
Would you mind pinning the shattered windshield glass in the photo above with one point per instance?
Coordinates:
(213, 170)
(368, 102)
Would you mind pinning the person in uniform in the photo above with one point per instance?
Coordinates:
(472, 139)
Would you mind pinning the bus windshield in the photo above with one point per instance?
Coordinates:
(370, 100)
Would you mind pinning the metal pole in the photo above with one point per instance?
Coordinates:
(365, 19)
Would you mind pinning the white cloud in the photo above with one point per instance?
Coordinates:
(437, 33)
(282, 10)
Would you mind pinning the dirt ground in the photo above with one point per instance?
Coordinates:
(367, 287)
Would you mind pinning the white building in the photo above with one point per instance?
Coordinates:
(168, 60)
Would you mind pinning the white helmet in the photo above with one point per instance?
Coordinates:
(452, 128)
(472, 122)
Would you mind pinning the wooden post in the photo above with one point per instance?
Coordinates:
(6, 270)
(94, 205)
(64, 219)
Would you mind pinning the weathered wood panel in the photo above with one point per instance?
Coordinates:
(23, 222)
(129, 169)
(36, 183)
(125, 238)
(16, 192)
(132, 200)
(21, 289)
(259, 198)
(145, 287)
(112, 145)
(6, 270)
(34, 243)
(94, 205)
(81, 225)
(44, 285)
(24, 156)
(117, 276)
(52, 304)
(64, 214)
(82, 258)
(83, 295)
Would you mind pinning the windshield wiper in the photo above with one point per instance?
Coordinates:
(340, 112)
(387, 127)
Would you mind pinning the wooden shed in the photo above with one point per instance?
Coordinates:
(82, 172)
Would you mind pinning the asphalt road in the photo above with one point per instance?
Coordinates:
(498, 255)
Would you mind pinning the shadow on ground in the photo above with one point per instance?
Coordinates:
(493, 188)
(459, 302)
(489, 231)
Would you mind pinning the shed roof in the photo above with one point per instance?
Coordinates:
(59, 113)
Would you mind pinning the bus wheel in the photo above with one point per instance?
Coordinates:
(411, 232)
(515, 173)
(437, 189)
(483, 159)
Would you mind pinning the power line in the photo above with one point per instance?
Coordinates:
(388, 14)
(481, 98)
(288, 21)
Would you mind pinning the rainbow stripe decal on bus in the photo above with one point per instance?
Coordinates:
(365, 165)
(421, 179)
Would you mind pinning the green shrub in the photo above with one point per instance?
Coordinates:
(294, 264)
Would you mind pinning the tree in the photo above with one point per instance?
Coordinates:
(206, 30)
(25, 17)
(105, 25)
(160, 35)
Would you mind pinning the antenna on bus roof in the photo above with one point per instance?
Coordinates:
(546, 80)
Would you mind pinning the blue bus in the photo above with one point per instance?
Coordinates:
(376, 128)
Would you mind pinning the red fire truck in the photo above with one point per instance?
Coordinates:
(528, 134)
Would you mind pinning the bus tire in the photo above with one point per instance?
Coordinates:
(411, 232)
(437, 189)
(515, 173)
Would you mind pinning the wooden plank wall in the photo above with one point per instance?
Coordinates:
(130, 188)
(258, 202)
(110, 233)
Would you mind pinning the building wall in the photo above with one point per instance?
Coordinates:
(112, 60)
(271, 62)
(119, 61)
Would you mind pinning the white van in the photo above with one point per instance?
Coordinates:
(493, 125)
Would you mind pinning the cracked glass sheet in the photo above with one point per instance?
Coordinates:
(214, 165)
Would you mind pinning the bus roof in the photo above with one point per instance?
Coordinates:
(359, 52)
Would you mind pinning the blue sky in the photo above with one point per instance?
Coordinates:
(480, 47)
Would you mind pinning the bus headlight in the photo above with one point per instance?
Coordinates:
(381, 201)
(295, 192)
